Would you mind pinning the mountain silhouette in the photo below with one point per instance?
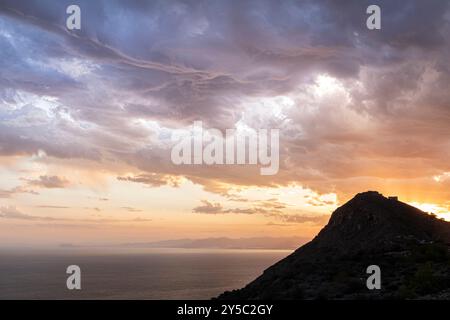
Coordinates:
(410, 246)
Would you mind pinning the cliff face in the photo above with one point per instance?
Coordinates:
(411, 248)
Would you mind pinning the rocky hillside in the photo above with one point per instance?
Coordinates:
(410, 246)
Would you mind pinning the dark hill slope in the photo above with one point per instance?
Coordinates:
(410, 246)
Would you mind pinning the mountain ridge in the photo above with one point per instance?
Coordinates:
(257, 243)
(410, 246)
(286, 243)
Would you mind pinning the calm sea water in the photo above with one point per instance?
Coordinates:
(134, 274)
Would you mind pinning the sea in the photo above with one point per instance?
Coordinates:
(111, 273)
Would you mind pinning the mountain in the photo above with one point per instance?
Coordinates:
(411, 247)
(269, 243)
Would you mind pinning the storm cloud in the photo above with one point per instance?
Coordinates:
(356, 108)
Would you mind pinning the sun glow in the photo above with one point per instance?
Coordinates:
(325, 85)
(439, 211)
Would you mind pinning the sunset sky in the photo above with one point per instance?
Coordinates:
(86, 117)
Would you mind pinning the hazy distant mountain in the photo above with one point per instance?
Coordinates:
(411, 247)
(225, 243)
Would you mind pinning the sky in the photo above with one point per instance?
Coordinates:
(86, 116)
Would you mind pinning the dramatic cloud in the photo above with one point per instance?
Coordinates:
(270, 210)
(154, 180)
(357, 109)
(13, 213)
(208, 207)
(48, 182)
(16, 190)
